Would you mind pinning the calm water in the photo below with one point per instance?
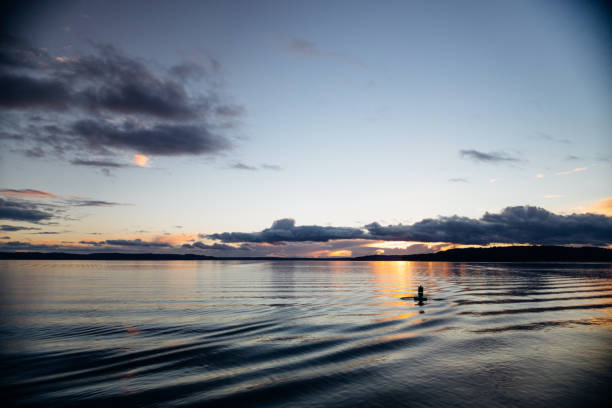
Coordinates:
(304, 334)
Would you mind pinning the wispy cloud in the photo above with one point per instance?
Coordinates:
(27, 193)
(274, 167)
(576, 170)
(92, 203)
(550, 138)
(457, 180)
(305, 47)
(244, 166)
(490, 157)
(97, 163)
(11, 228)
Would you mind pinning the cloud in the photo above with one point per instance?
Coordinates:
(243, 166)
(521, 224)
(97, 163)
(457, 180)
(91, 203)
(571, 157)
(188, 70)
(15, 228)
(106, 103)
(539, 175)
(550, 138)
(20, 92)
(274, 167)
(27, 193)
(28, 206)
(554, 196)
(284, 230)
(307, 48)
(216, 246)
(161, 140)
(230, 111)
(576, 170)
(491, 157)
(128, 243)
(15, 210)
(603, 206)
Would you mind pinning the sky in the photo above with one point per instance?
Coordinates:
(342, 128)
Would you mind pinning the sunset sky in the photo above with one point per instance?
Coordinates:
(250, 128)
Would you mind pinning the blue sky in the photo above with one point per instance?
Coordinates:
(337, 114)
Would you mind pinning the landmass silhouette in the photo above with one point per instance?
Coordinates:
(492, 254)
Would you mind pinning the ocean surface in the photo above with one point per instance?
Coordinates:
(304, 334)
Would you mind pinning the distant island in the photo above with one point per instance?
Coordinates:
(492, 254)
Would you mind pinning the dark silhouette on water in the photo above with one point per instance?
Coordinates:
(420, 298)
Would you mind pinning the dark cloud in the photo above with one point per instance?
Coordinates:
(491, 157)
(284, 230)
(92, 203)
(136, 242)
(164, 140)
(16, 228)
(242, 166)
(571, 157)
(92, 243)
(128, 243)
(19, 92)
(16, 53)
(27, 246)
(302, 46)
(216, 246)
(107, 102)
(522, 224)
(231, 111)
(110, 80)
(97, 163)
(23, 211)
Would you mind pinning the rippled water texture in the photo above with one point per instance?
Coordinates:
(304, 334)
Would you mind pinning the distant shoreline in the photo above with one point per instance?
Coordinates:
(493, 254)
